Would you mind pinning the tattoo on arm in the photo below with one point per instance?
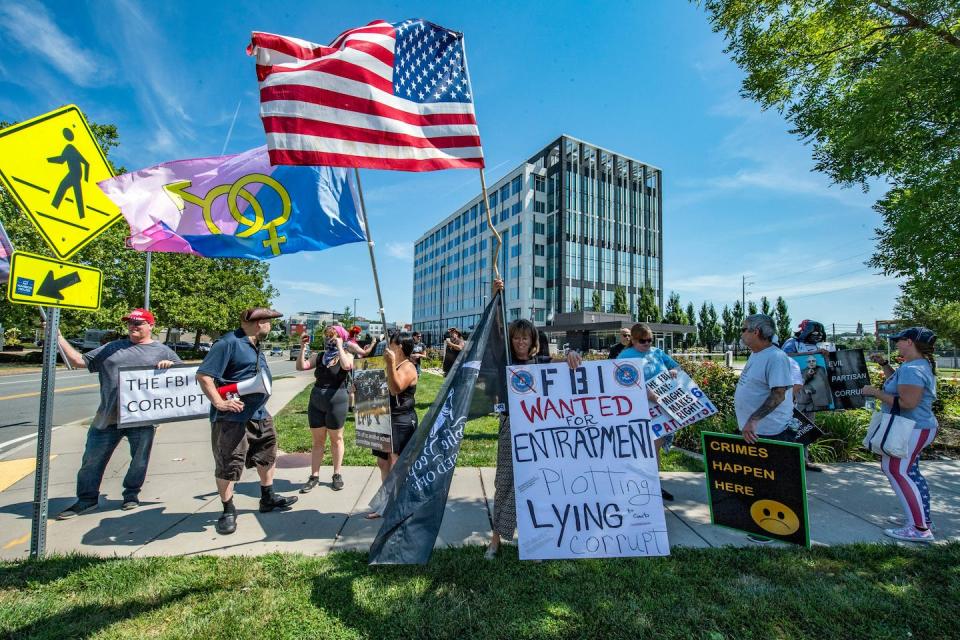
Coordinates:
(777, 394)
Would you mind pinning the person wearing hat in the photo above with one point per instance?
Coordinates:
(138, 349)
(242, 431)
(454, 345)
(419, 350)
(913, 386)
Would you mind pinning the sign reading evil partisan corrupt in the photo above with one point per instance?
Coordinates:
(152, 396)
(758, 488)
(680, 402)
(833, 382)
(373, 410)
(584, 462)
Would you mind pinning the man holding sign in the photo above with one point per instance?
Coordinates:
(138, 349)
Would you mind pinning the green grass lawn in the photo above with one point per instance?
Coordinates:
(862, 591)
(479, 447)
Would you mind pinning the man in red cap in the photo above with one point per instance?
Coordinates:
(242, 432)
(138, 349)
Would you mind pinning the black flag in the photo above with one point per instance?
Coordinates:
(415, 493)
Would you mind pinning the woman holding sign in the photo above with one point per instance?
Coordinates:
(329, 399)
(914, 387)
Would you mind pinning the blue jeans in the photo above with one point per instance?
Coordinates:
(100, 446)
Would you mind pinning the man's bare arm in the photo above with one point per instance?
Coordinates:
(777, 394)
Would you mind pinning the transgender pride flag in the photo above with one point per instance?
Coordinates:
(237, 206)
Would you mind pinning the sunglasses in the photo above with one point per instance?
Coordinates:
(136, 323)
(645, 341)
(745, 329)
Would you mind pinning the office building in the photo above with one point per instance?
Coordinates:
(575, 218)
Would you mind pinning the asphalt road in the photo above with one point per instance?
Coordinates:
(76, 396)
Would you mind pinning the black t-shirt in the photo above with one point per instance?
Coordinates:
(330, 378)
(615, 350)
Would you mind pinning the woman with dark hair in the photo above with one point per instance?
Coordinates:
(453, 345)
(913, 386)
(402, 383)
(329, 398)
(524, 345)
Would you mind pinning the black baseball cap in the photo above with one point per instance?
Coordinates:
(917, 334)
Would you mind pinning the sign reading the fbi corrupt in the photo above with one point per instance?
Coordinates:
(51, 283)
(758, 488)
(584, 462)
(151, 396)
(51, 165)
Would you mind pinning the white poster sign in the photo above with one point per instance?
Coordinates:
(152, 396)
(680, 403)
(372, 410)
(584, 462)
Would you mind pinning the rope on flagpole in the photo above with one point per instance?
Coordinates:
(373, 261)
(496, 234)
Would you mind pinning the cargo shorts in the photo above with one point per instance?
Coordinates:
(242, 444)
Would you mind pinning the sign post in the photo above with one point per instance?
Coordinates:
(38, 539)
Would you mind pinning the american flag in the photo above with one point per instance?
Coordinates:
(383, 96)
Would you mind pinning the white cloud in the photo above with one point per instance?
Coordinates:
(400, 250)
(310, 287)
(31, 26)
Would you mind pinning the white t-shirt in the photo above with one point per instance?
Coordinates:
(795, 370)
(764, 370)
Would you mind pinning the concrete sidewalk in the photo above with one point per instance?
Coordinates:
(847, 502)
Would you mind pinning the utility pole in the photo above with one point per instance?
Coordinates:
(834, 332)
(743, 294)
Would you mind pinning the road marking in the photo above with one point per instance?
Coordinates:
(61, 373)
(16, 541)
(13, 471)
(34, 394)
(30, 436)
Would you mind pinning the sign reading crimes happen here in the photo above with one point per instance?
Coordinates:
(584, 462)
(151, 396)
(758, 488)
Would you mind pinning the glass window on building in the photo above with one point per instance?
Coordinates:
(504, 193)
(517, 228)
(538, 271)
(516, 208)
(539, 184)
(516, 185)
(539, 316)
(539, 207)
(539, 227)
(493, 199)
(539, 293)
(539, 250)
(514, 313)
(515, 251)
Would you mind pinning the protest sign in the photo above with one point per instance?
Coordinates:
(758, 488)
(805, 432)
(584, 462)
(372, 410)
(151, 396)
(680, 403)
(848, 377)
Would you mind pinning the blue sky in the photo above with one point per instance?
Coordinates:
(646, 79)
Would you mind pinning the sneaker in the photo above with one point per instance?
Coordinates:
(337, 482)
(280, 503)
(758, 539)
(666, 495)
(129, 505)
(311, 483)
(227, 523)
(910, 534)
(490, 553)
(77, 508)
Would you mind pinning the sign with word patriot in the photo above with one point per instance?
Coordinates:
(372, 410)
(584, 462)
(151, 396)
(680, 402)
(759, 488)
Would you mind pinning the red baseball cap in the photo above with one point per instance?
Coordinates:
(140, 314)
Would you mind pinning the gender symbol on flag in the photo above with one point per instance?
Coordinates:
(178, 191)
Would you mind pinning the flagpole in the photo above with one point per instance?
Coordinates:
(373, 261)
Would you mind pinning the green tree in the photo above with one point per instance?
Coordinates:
(730, 327)
(647, 308)
(597, 300)
(751, 307)
(943, 318)
(347, 318)
(709, 332)
(692, 338)
(576, 304)
(620, 300)
(873, 87)
(765, 307)
(783, 320)
(674, 312)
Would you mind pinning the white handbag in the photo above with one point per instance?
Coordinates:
(889, 433)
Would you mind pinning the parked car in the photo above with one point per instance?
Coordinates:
(295, 352)
(204, 347)
(276, 351)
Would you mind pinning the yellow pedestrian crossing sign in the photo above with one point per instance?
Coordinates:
(51, 165)
(51, 283)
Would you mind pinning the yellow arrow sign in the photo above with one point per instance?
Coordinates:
(51, 283)
(51, 165)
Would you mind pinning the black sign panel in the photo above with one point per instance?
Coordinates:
(848, 377)
(758, 488)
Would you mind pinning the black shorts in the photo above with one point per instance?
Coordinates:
(328, 407)
(242, 444)
(403, 430)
